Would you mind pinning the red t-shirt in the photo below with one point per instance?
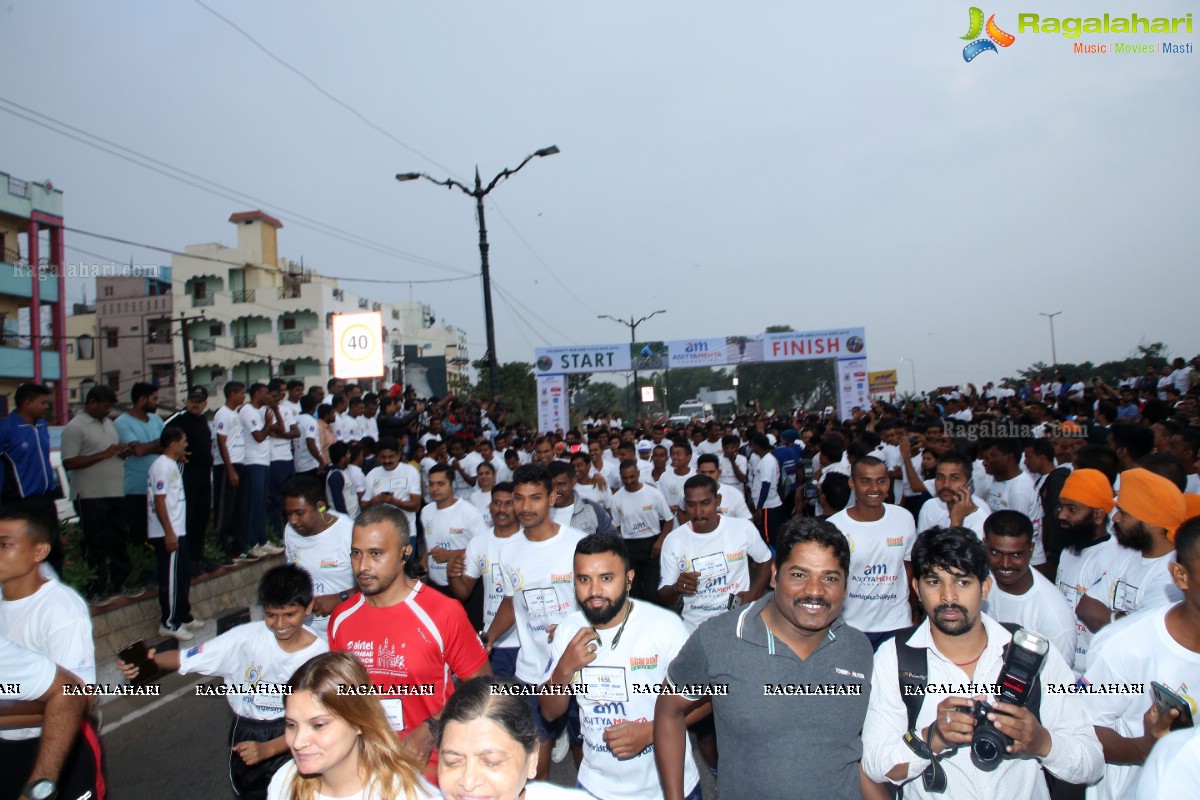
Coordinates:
(418, 642)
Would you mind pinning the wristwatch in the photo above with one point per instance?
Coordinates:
(40, 790)
(344, 596)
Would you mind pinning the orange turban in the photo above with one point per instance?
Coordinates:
(1152, 499)
(1090, 487)
(1191, 505)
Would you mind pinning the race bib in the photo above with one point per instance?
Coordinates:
(605, 684)
(710, 566)
(1125, 597)
(394, 708)
(269, 702)
(540, 601)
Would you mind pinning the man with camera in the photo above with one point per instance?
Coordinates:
(932, 714)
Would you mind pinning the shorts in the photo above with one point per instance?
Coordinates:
(250, 783)
(504, 661)
(548, 729)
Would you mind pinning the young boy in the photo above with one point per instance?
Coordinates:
(42, 614)
(166, 512)
(256, 654)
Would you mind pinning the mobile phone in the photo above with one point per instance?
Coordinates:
(735, 601)
(136, 653)
(1165, 700)
(970, 487)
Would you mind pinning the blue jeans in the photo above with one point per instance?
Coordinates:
(281, 473)
(257, 478)
(504, 661)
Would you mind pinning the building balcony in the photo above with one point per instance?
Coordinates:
(204, 345)
(18, 363)
(245, 342)
(289, 292)
(200, 302)
(291, 337)
(243, 296)
(16, 280)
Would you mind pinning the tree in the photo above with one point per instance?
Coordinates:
(1144, 355)
(518, 390)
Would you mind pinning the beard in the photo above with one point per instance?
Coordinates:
(606, 613)
(963, 625)
(1076, 537)
(1132, 533)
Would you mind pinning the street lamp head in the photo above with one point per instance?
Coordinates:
(407, 176)
(547, 151)
(661, 311)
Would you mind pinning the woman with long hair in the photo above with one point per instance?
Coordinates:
(342, 745)
(488, 745)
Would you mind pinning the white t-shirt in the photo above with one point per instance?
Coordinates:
(404, 482)
(483, 563)
(309, 429)
(427, 464)
(358, 478)
(450, 528)
(1172, 770)
(325, 556)
(281, 449)
(597, 494)
(1135, 584)
(731, 503)
(281, 789)
(611, 473)
(671, 486)
(343, 428)
(935, 514)
(254, 419)
(248, 655)
(164, 479)
(540, 578)
(55, 622)
(624, 681)
(727, 476)
(766, 471)
(1135, 650)
(1076, 575)
(708, 448)
(1042, 609)
(483, 501)
(877, 589)
(470, 464)
(1019, 494)
(640, 514)
(719, 557)
(33, 673)
(226, 423)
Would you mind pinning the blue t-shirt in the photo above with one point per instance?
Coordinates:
(132, 429)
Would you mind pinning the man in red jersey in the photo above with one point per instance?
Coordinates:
(409, 638)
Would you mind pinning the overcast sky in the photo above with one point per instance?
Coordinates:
(738, 164)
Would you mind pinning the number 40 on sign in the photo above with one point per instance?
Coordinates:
(358, 345)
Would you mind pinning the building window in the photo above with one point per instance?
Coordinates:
(86, 347)
(289, 323)
(200, 290)
(108, 291)
(215, 330)
(113, 379)
(287, 370)
(111, 338)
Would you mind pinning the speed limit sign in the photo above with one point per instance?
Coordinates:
(358, 345)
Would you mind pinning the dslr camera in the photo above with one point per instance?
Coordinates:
(1022, 663)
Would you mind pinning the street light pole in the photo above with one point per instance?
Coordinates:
(480, 192)
(1053, 350)
(632, 324)
(912, 364)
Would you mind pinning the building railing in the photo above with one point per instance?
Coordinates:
(291, 337)
(245, 341)
(243, 296)
(204, 345)
(289, 292)
(362, 302)
(198, 302)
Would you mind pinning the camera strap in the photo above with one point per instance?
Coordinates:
(934, 776)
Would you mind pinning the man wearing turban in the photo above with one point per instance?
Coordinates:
(1089, 551)
(1149, 509)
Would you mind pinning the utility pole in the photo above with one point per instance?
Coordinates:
(187, 351)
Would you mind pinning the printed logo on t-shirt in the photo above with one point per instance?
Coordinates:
(643, 663)
(740, 555)
(364, 651)
(850, 541)
(557, 578)
(516, 578)
(160, 486)
(895, 541)
(457, 530)
(195, 651)
(253, 673)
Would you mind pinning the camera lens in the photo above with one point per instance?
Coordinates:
(987, 749)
